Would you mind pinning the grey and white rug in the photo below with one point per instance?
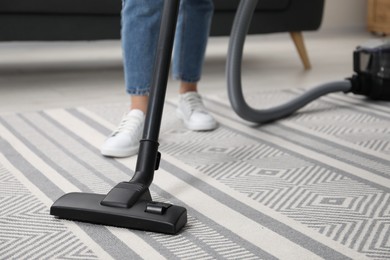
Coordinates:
(315, 185)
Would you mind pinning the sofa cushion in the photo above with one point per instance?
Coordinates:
(263, 5)
(61, 6)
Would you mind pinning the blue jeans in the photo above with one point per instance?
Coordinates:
(140, 28)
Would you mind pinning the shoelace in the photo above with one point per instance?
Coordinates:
(129, 124)
(195, 103)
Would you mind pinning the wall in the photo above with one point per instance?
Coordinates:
(344, 15)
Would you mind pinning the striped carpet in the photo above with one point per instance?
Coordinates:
(315, 185)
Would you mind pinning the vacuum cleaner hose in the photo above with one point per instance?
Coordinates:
(233, 71)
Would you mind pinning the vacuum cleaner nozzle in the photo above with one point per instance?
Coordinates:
(143, 215)
(372, 70)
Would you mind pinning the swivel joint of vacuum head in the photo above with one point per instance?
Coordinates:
(126, 194)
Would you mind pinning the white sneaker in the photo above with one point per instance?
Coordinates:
(124, 141)
(193, 113)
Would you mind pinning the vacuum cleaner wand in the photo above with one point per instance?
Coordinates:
(129, 204)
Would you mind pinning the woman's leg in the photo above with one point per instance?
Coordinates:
(140, 26)
(191, 39)
(140, 29)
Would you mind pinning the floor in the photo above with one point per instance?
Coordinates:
(41, 75)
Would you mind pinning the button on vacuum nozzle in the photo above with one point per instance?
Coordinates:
(158, 208)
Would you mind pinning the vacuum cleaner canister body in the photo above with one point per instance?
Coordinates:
(371, 63)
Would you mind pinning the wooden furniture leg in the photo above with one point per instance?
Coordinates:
(297, 37)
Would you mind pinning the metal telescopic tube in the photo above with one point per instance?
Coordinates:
(148, 150)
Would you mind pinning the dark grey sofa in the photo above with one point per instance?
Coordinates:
(49, 20)
(271, 16)
(46, 20)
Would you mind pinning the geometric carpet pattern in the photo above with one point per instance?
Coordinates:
(315, 185)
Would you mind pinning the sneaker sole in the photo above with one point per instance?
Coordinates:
(197, 126)
(119, 153)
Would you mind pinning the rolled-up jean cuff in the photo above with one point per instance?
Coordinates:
(186, 79)
(138, 92)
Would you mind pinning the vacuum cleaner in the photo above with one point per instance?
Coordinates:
(371, 64)
(129, 204)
